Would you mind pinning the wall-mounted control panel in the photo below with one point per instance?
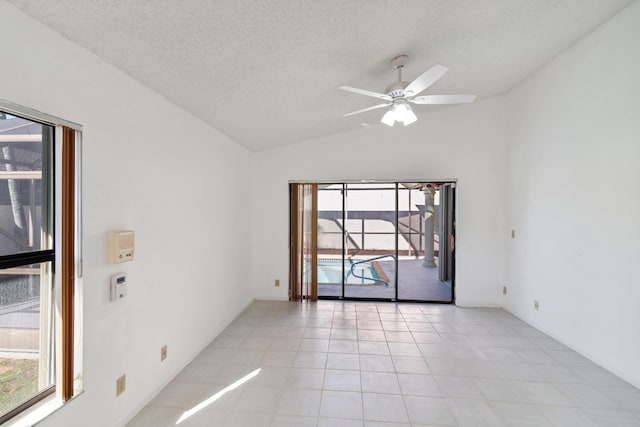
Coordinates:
(118, 286)
(120, 246)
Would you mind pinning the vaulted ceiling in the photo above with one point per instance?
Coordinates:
(266, 73)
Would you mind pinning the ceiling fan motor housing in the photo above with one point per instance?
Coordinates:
(396, 90)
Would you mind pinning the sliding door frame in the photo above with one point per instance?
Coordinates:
(344, 184)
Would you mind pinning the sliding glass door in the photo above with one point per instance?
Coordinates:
(330, 263)
(426, 228)
(386, 241)
(370, 241)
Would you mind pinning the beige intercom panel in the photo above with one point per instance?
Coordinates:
(120, 246)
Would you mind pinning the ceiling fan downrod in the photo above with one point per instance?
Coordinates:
(396, 90)
(398, 63)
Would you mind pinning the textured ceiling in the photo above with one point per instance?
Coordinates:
(266, 72)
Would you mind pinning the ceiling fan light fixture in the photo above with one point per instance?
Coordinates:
(389, 118)
(401, 112)
(400, 109)
(410, 118)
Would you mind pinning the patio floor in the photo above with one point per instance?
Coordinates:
(416, 282)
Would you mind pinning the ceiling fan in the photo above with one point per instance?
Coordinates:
(399, 94)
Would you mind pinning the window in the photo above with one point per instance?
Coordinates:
(37, 250)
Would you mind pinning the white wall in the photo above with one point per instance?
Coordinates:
(150, 167)
(463, 142)
(574, 197)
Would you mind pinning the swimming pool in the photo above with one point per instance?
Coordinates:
(330, 272)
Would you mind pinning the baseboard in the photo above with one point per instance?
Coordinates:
(271, 299)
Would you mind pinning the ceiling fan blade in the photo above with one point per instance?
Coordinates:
(366, 92)
(427, 78)
(443, 99)
(366, 109)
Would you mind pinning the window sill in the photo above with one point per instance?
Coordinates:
(39, 411)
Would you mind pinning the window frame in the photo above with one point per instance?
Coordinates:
(65, 256)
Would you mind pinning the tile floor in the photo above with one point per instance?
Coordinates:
(385, 364)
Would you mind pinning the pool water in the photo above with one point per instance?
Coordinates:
(330, 272)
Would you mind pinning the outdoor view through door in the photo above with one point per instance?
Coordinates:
(386, 240)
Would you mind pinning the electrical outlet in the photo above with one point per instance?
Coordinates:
(513, 234)
(504, 290)
(121, 384)
(536, 304)
(277, 283)
(163, 353)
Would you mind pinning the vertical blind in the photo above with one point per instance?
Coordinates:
(303, 280)
(68, 260)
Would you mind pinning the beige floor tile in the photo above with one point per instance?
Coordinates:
(301, 402)
(380, 382)
(341, 404)
(342, 380)
(418, 385)
(429, 411)
(384, 407)
(385, 364)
